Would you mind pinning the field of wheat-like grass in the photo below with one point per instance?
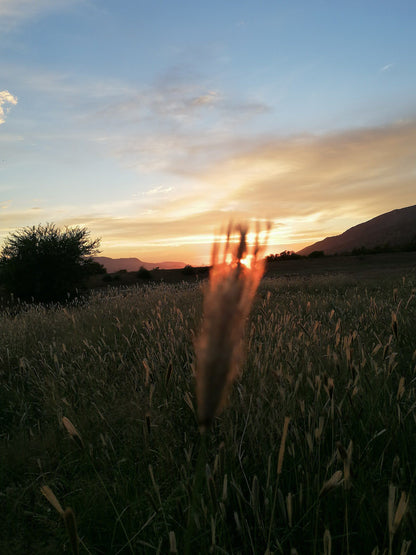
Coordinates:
(313, 452)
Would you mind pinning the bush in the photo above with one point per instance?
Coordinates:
(45, 263)
(94, 268)
(316, 254)
(285, 255)
(188, 270)
(143, 273)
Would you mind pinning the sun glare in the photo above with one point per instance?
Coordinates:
(246, 261)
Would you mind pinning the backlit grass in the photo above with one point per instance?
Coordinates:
(335, 355)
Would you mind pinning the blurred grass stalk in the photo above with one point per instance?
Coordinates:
(234, 277)
(233, 281)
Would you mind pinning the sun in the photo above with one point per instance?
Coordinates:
(247, 260)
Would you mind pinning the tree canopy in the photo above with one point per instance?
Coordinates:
(45, 263)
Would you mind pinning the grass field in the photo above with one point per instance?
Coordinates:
(336, 354)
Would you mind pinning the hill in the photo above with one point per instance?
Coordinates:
(395, 229)
(133, 264)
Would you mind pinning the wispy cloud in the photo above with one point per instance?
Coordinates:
(181, 103)
(215, 167)
(308, 186)
(210, 98)
(158, 190)
(6, 98)
(355, 170)
(14, 12)
(387, 67)
(5, 204)
(170, 123)
(149, 127)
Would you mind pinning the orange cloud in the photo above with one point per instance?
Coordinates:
(308, 186)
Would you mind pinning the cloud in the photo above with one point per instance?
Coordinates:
(158, 190)
(386, 67)
(168, 125)
(176, 118)
(309, 187)
(210, 98)
(14, 12)
(176, 103)
(215, 167)
(5, 99)
(355, 171)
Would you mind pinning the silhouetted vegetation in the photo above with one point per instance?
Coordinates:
(94, 268)
(386, 248)
(188, 270)
(358, 251)
(285, 255)
(143, 273)
(334, 353)
(47, 264)
(316, 254)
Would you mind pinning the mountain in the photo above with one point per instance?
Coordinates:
(395, 228)
(133, 264)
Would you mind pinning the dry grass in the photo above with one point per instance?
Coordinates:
(233, 281)
(324, 351)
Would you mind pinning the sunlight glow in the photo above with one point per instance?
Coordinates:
(247, 261)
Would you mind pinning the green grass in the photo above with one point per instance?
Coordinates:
(322, 351)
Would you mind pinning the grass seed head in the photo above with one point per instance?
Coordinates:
(234, 278)
(71, 527)
(72, 431)
(50, 496)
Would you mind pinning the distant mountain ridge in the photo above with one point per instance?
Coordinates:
(133, 264)
(395, 228)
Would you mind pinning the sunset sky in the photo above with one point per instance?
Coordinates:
(155, 122)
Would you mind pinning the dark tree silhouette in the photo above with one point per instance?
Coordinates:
(44, 263)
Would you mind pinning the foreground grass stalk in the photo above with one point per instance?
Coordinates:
(305, 333)
(279, 472)
(67, 516)
(73, 432)
(233, 282)
(197, 490)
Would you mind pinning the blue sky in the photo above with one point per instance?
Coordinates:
(155, 122)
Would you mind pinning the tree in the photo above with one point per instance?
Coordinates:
(45, 263)
(144, 273)
(188, 270)
(316, 254)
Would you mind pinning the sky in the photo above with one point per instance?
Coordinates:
(156, 122)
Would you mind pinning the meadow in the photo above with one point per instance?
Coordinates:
(315, 451)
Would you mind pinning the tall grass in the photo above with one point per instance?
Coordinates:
(334, 355)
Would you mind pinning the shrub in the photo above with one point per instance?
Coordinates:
(188, 270)
(94, 268)
(45, 263)
(143, 273)
(316, 254)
